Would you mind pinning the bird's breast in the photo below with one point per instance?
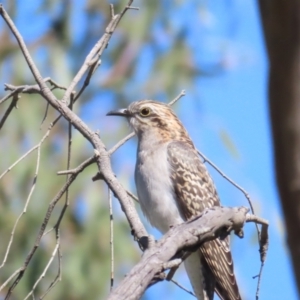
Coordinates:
(154, 188)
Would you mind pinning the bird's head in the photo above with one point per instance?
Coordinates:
(148, 116)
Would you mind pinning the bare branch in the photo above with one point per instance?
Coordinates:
(103, 158)
(112, 11)
(263, 247)
(135, 198)
(20, 159)
(55, 84)
(80, 168)
(40, 233)
(58, 276)
(182, 93)
(9, 109)
(121, 143)
(14, 274)
(133, 7)
(7, 97)
(112, 255)
(25, 89)
(231, 181)
(212, 223)
(45, 269)
(96, 52)
(183, 288)
(28, 89)
(38, 147)
(57, 225)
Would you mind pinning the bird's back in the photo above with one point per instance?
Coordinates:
(195, 191)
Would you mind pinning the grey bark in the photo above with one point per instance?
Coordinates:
(215, 222)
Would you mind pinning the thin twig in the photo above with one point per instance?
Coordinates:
(112, 11)
(9, 279)
(233, 183)
(45, 269)
(80, 168)
(112, 255)
(67, 203)
(40, 233)
(38, 147)
(183, 288)
(135, 198)
(121, 143)
(44, 89)
(7, 97)
(258, 281)
(94, 66)
(24, 89)
(28, 152)
(263, 247)
(97, 51)
(55, 84)
(26, 203)
(45, 115)
(182, 93)
(17, 161)
(9, 109)
(133, 7)
(74, 172)
(69, 149)
(31, 89)
(28, 89)
(44, 224)
(58, 276)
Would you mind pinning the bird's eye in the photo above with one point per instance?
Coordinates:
(144, 112)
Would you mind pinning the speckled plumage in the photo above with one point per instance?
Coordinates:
(173, 185)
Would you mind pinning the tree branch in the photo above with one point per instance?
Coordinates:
(103, 160)
(212, 223)
(93, 57)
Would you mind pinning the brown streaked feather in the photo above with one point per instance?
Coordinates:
(195, 191)
(218, 257)
(209, 278)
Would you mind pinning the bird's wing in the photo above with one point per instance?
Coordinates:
(195, 191)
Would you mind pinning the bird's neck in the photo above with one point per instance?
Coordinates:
(155, 138)
(150, 139)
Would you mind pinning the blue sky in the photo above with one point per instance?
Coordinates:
(227, 117)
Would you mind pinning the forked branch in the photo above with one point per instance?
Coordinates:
(212, 223)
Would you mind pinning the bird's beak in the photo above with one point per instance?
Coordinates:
(123, 112)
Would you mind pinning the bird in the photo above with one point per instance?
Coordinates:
(173, 186)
